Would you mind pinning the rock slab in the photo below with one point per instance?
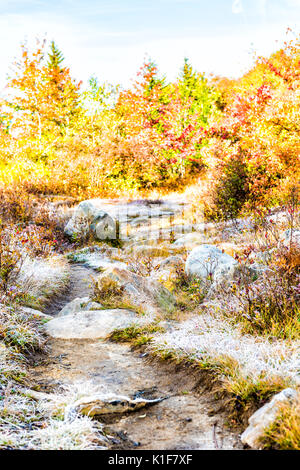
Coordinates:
(91, 324)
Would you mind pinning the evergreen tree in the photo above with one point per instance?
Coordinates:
(61, 89)
(188, 80)
(55, 57)
(196, 93)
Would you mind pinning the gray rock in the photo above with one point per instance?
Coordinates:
(89, 219)
(208, 260)
(31, 312)
(264, 417)
(171, 261)
(79, 304)
(91, 324)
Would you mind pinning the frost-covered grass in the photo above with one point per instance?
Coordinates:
(11, 366)
(20, 330)
(43, 278)
(244, 363)
(33, 420)
(81, 434)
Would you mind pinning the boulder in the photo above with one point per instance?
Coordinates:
(89, 219)
(143, 292)
(209, 261)
(91, 324)
(264, 417)
(80, 304)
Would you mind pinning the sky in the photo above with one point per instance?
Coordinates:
(110, 38)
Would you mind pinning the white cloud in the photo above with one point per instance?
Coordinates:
(237, 7)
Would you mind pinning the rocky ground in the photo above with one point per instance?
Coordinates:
(122, 286)
(186, 419)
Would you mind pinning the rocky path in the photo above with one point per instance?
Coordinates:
(185, 420)
(79, 286)
(189, 418)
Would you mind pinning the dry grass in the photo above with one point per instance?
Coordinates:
(249, 367)
(41, 279)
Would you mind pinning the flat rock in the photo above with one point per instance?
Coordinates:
(94, 258)
(91, 324)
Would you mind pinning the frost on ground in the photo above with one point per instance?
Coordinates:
(208, 338)
(81, 434)
(43, 278)
(51, 432)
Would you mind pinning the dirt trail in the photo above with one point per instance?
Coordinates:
(80, 286)
(186, 420)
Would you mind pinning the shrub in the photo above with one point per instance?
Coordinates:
(108, 292)
(10, 259)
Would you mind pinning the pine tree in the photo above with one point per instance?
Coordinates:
(188, 80)
(55, 57)
(61, 89)
(196, 93)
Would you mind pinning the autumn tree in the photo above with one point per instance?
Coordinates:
(254, 147)
(43, 97)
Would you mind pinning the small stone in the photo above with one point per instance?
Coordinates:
(79, 304)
